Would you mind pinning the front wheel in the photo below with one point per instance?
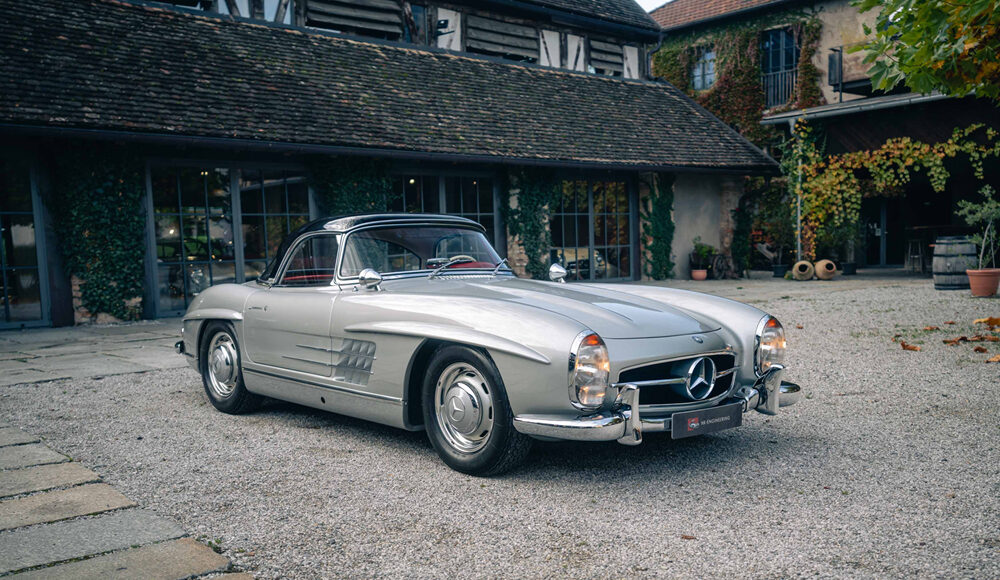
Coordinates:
(467, 415)
(221, 372)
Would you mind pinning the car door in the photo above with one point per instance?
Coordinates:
(287, 325)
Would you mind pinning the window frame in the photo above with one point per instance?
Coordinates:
(286, 261)
(698, 68)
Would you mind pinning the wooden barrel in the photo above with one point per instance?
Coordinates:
(952, 255)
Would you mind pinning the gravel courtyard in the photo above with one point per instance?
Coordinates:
(889, 467)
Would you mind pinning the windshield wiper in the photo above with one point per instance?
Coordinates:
(449, 263)
(500, 265)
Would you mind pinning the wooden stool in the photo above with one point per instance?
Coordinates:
(915, 256)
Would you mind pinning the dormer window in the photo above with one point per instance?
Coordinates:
(606, 58)
(703, 69)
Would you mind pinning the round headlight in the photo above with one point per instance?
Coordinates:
(589, 369)
(770, 345)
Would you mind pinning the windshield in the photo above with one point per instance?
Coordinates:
(414, 248)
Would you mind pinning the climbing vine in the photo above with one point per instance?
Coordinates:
(528, 216)
(350, 185)
(658, 226)
(737, 95)
(98, 197)
(832, 187)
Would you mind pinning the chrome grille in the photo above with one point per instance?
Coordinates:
(656, 379)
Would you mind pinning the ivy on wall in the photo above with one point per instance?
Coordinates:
(350, 185)
(832, 187)
(658, 226)
(528, 216)
(737, 96)
(98, 197)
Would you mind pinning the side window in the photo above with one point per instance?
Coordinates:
(313, 262)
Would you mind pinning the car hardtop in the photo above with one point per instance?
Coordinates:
(346, 224)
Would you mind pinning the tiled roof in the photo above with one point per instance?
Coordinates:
(111, 65)
(619, 11)
(678, 13)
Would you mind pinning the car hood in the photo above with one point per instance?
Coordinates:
(612, 314)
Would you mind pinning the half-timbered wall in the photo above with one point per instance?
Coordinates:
(457, 27)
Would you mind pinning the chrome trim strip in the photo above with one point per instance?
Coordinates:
(656, 383)
(335, 351)
(315, 362)
(344, 390)
(725, 373)
(727, 350)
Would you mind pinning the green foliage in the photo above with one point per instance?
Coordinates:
(99, 207)
(944, 45)
(737, 96)
(774, 215)
(351, 185)
(986, 216)
(658, 227)
(537, 191)
(701, 257)
(742, 226)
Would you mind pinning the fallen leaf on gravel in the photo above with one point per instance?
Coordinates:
(984, 338)
(995, 359)
(929, 328)
(955, 341)
(687, 537)
(980, 349)
(799, 326)
(905, 346)
(895, 336)
(991, 321)
(950, 322)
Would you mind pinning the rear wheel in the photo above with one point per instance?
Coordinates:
(221, 373)
(467, 415)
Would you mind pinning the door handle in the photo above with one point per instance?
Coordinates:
(264, 308)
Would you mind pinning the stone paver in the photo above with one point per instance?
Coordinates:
(44, 477)
(171, 560)
(14, 436)
(52, 506)
(19, 456)
(39, 545)
(49, 354)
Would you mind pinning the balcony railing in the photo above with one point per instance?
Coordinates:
(779, 86)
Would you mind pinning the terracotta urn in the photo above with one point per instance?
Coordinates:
(699, 274)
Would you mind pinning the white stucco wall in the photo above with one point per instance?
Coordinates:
(697, 207)
(842, 26)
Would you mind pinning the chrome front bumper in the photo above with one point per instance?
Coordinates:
(625, 425)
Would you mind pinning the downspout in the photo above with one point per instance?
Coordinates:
(798, 191)
(650, 53)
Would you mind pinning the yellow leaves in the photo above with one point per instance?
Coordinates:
(994, 359)
(989, 321)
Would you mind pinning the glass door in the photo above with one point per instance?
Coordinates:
(592, 230)
(21, 273)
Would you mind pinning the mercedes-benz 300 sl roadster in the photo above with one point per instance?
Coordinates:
(414, 321)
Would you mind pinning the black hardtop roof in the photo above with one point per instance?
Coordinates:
(346, 223)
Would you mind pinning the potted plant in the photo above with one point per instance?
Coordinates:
(984, 215)
(777, 224)
(701, 259)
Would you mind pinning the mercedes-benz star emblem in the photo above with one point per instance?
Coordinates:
(700, 378)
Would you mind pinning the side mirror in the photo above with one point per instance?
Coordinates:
(557, 273)
(369, 279)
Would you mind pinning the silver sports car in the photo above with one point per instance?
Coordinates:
(414, 321)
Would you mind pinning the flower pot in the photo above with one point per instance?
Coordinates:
(780, 270)
(984, 282)
(849, 268)
(699, 274)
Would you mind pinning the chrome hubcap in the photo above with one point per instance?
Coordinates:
(463, 403)
(223, 365)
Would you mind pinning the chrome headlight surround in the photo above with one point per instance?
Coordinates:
(769, 345)
(589, 371)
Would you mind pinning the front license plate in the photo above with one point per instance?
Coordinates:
(691, 423)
